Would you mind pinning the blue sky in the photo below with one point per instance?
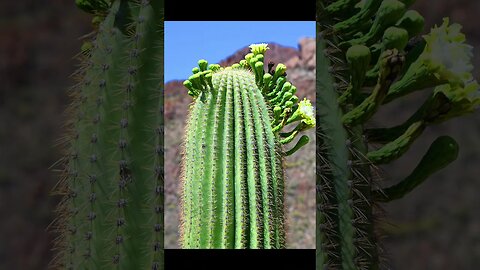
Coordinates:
(188, 42)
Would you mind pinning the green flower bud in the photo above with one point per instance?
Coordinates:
(413, 22)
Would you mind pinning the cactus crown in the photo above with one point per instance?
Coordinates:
(284, 106)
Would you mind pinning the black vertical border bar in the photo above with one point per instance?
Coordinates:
(215, 10)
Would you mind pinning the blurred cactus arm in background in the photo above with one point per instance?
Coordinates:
(370, 53)
(111, 215)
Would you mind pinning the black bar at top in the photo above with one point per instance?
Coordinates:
(250, 10)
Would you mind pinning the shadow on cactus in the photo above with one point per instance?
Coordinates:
(371, 53)
(233, 172)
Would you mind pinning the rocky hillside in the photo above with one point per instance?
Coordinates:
(301, 166)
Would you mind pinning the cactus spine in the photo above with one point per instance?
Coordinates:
(112, 213)
(233, 179)
(369, 54)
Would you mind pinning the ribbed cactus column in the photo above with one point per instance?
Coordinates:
(233, 179)
(112, 213)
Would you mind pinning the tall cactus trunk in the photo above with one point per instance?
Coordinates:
(241, 192)
(345, 212)
(233, 179)
(112, 213)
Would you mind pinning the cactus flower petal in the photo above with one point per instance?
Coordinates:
(259, 48)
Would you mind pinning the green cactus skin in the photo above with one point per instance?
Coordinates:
(442, 152)
(111, 216)
(332, 196)
(369, 54)
(233, 174)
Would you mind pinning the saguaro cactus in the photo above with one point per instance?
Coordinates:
(111, 216)
(233, 179)
(369, 54)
